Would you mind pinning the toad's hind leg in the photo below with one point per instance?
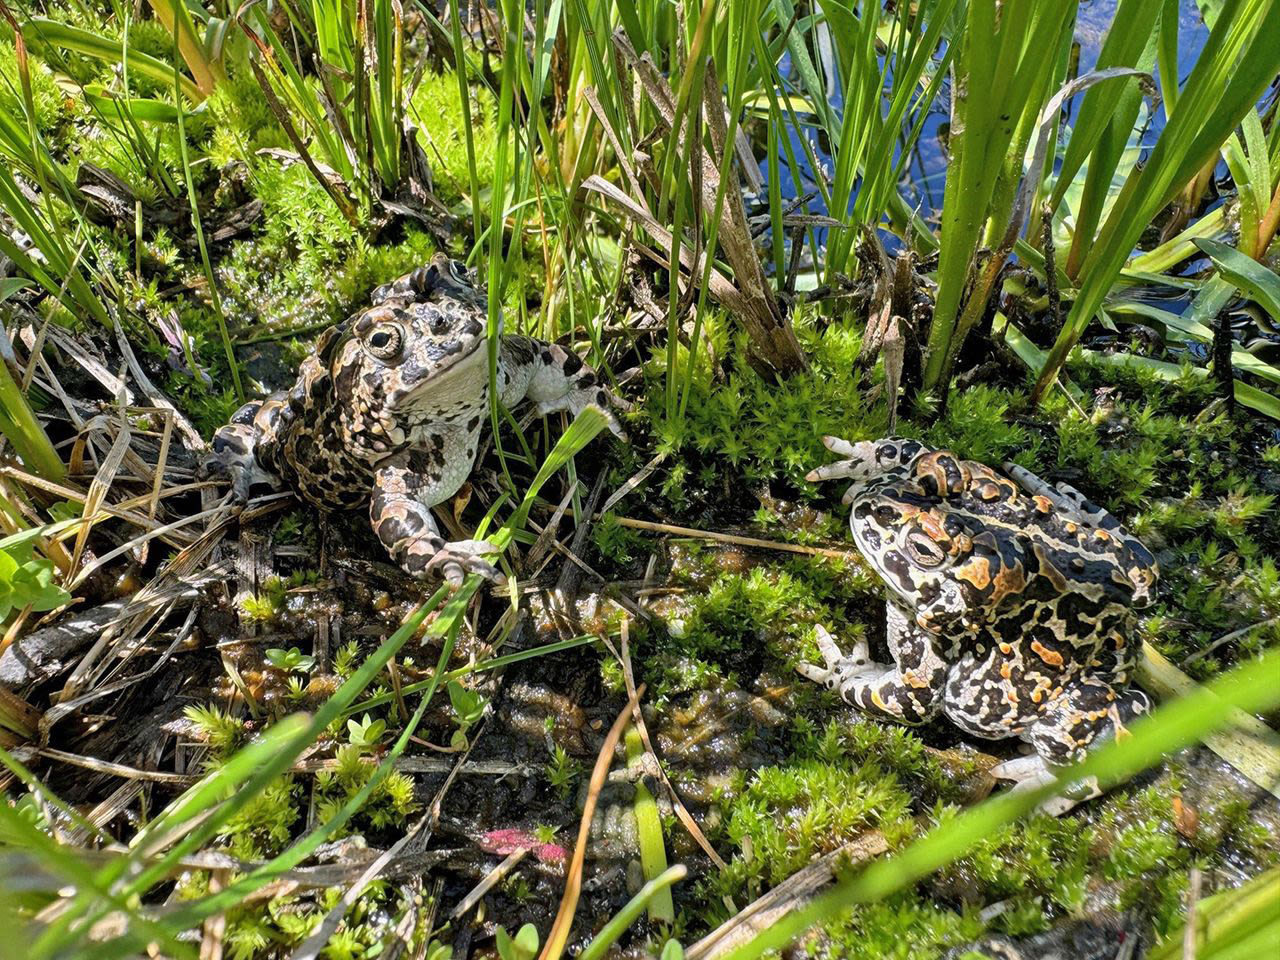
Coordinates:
(908, 693)
(1136, 561)
(236, 447)
(1088, 713)
(1065, 497)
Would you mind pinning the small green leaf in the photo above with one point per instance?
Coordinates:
(522, 947)
(290, 660)
(526, 941)
(365, 732)
(11, 285)
(467, 704)
(139, 108)
(27, 580)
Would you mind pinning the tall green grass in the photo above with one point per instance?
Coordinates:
(344, 111)
(1232, 71)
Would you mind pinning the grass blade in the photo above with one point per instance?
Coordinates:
(101, 47)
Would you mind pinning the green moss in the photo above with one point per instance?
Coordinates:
(902, 927)
(309, 266)
(151, 37)
(51, 106)
(869, 743)
(244, 124)
(616, 542)
(977, 426)
(264, 826)
(737, 612)
(389, 805)
(437, 109)
(787, 815)
(743, 429)
(1040, 860)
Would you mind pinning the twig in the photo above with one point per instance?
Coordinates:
(559, 934)
(566, 590)
(736, 539)
(681, 811)
(638, 478)
(1051, 272)
(116, 769)
(215, 927)
(1227, 638)
(485, 885)
(1190, 930)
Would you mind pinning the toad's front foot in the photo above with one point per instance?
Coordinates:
(454, 560)
(841, 669)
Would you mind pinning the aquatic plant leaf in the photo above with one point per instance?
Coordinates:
(1192, 329)
(1251, 277)
(1125, 46)
(1235, 67)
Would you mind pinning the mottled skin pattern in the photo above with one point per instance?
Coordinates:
(1011, 603)
(389, 409)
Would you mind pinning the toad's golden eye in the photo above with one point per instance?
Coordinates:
(386, 341)
(923, 550)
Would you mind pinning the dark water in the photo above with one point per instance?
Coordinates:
(925, 172)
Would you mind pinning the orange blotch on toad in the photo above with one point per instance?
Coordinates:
(1051, 657)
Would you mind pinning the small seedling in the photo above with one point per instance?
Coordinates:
(524, 946)
(65, 510)
(220, 730)
(366, 732)
(297, 689)
(267, 604)
(292, 660)
(346, 659)
(562, 770)
(27, 580)
(468, 707)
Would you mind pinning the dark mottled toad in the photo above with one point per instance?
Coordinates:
(389, 410)
(1011, 603)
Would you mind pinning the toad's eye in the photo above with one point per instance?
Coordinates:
(923, 550)
(386, 341)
